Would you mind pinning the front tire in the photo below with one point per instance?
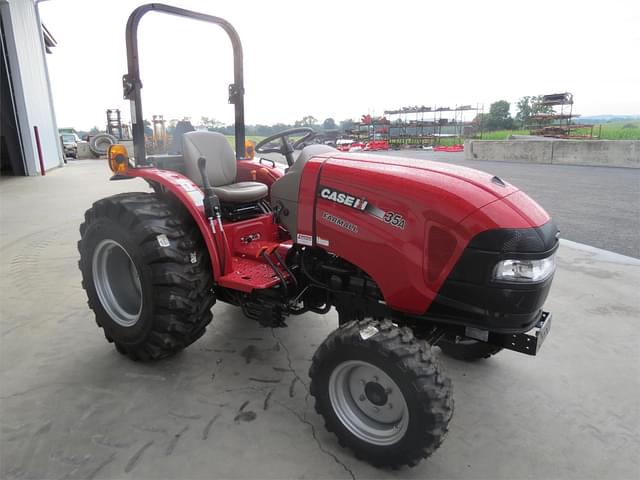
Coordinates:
(147, 274)
(381, 392)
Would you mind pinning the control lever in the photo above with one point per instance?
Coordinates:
(211, 200)
(211, 204)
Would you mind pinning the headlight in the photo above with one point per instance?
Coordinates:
(527, 271)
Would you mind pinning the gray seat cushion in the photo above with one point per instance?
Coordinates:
(221, 167)
(242, 192)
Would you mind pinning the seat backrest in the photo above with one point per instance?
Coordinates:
(221, 161)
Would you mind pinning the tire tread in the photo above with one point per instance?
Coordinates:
(413, 357)
(183, 294)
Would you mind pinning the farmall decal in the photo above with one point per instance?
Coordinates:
(342, 198)
(340, 222)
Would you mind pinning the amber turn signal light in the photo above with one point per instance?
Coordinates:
(118, 158)
(249, 149)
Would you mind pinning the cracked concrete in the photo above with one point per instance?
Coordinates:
(236, 404)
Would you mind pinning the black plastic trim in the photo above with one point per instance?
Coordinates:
(470, 296)
(517, 240)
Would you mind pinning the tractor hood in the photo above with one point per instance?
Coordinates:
(493, 185)
(398, 218)
(427, 189)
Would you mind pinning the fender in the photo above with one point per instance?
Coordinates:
(261, 170)
(191, 196)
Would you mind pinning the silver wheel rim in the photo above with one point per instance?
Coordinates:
(117, 283)
(356, 394)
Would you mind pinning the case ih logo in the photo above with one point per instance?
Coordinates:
(342, 198)
(392, 218)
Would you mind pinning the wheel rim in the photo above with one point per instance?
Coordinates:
(368, 402)
(117, 283)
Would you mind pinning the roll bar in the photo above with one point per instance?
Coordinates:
(132, 84)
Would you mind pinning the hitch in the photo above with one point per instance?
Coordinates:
(529, 342)
(266, 314)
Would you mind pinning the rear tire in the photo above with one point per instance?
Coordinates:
(467, 349)
(381, 392)
(147, 274)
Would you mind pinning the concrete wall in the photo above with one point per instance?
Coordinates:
(30, 82)
(610, 153)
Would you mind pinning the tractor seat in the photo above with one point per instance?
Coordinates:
(221, 167)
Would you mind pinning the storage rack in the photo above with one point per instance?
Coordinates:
(418, 126)
(558, 124)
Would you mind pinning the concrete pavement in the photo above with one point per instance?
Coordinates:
(235, 404)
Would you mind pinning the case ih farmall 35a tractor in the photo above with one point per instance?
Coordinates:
(411, 254)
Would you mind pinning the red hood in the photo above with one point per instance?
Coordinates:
(485, 181)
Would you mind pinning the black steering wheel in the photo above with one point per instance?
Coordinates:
(285, 148)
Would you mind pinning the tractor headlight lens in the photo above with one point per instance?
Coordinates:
(525, 271)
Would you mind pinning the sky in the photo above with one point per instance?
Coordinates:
(343, 59)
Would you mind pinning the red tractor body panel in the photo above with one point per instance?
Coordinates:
(256, 171)
(405, 222)
(374, 145)
(418, 218)
(244, 270)
(190, 195)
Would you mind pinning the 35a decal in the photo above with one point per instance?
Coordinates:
(394, 219)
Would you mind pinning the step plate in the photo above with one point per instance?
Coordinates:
(248, 275)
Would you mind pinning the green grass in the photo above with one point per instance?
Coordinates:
(615, 131)
(607, 131)
(448, 141)
(502, 134)
(255, 138)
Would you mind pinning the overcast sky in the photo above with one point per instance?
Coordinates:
(342, 59)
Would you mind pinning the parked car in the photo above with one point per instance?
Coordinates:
(69, 144)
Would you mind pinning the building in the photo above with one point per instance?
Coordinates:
(28, 118)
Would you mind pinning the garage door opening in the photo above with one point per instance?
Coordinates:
(11, 152)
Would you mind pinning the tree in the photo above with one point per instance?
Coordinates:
(498, 117)
(147, 128)
(94, 131)
(210, 123)
(528, 106)
(346, 125)
(329, 124)
(307, 121)
(172, 126)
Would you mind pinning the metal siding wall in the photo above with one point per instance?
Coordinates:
(30, 80)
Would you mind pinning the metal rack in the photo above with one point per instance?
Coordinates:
(418, 126)
(558, 124)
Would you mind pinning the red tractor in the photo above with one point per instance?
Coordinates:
(411, 254)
